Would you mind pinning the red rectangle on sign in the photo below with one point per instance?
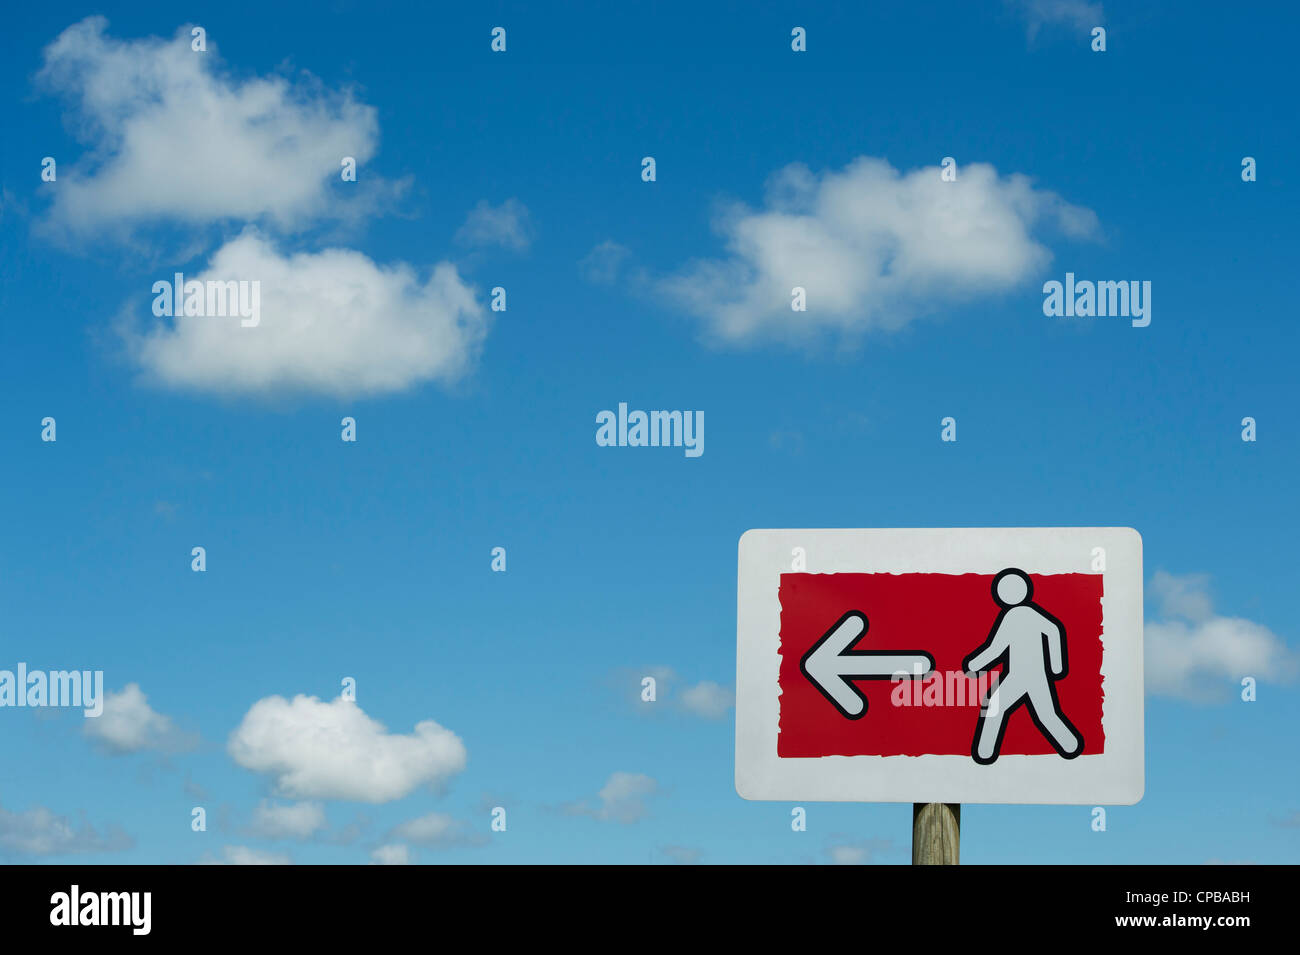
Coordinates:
(1039, 633)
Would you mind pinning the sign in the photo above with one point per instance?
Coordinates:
(965, 665)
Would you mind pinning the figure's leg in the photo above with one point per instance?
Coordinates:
(1068, 740)
(989, 727)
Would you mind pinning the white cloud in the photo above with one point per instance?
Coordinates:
(683, 855)
(243, 855)
(707, 699)
(848, 855)
(129, 724)
(858, 852)
(1186, 597)
(391, 855)
(318, 750)
(294, 821)
(172, 138)
(873, 248)
(603, 264)
(507, 225)
(437, 830)
(39, 832)
(331, 322)
(622, 799)
(1194, 654)
(665, 679)
(1080, 14)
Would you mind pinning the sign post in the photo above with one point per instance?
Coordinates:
(940, 666)
(936, 833)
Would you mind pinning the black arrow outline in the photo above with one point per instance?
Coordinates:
(849, 653)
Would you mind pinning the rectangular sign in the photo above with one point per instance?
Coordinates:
(996, 665)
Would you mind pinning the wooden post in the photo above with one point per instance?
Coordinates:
(936, 833)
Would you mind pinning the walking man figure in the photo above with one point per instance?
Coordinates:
(1030, 644)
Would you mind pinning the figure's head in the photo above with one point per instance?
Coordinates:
(1012, 587)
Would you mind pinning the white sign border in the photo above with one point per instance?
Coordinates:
(1115, 777)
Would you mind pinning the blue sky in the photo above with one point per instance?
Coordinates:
(371, 559)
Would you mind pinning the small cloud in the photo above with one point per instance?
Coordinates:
(317, 750)
(294, 821)
(683, 855)
(707, 699)
(487, 801)
(9, 204)
(243, 855)
(1290, 821)
(858, 852)
(507, 225)
(872, 247)
(602, 265)
(847, 855)
(345, 835)
(332, 322)
(622, 799)
(173, 138)
(1080, 14)
(1193, 654)
(391, 855)
(40, 832)
(129, 725)
(437, 830)
(1186, 597)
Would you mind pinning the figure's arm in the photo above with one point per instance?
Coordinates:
(1055, 647)
(985, 655)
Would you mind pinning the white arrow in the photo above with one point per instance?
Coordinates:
(829, 664)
